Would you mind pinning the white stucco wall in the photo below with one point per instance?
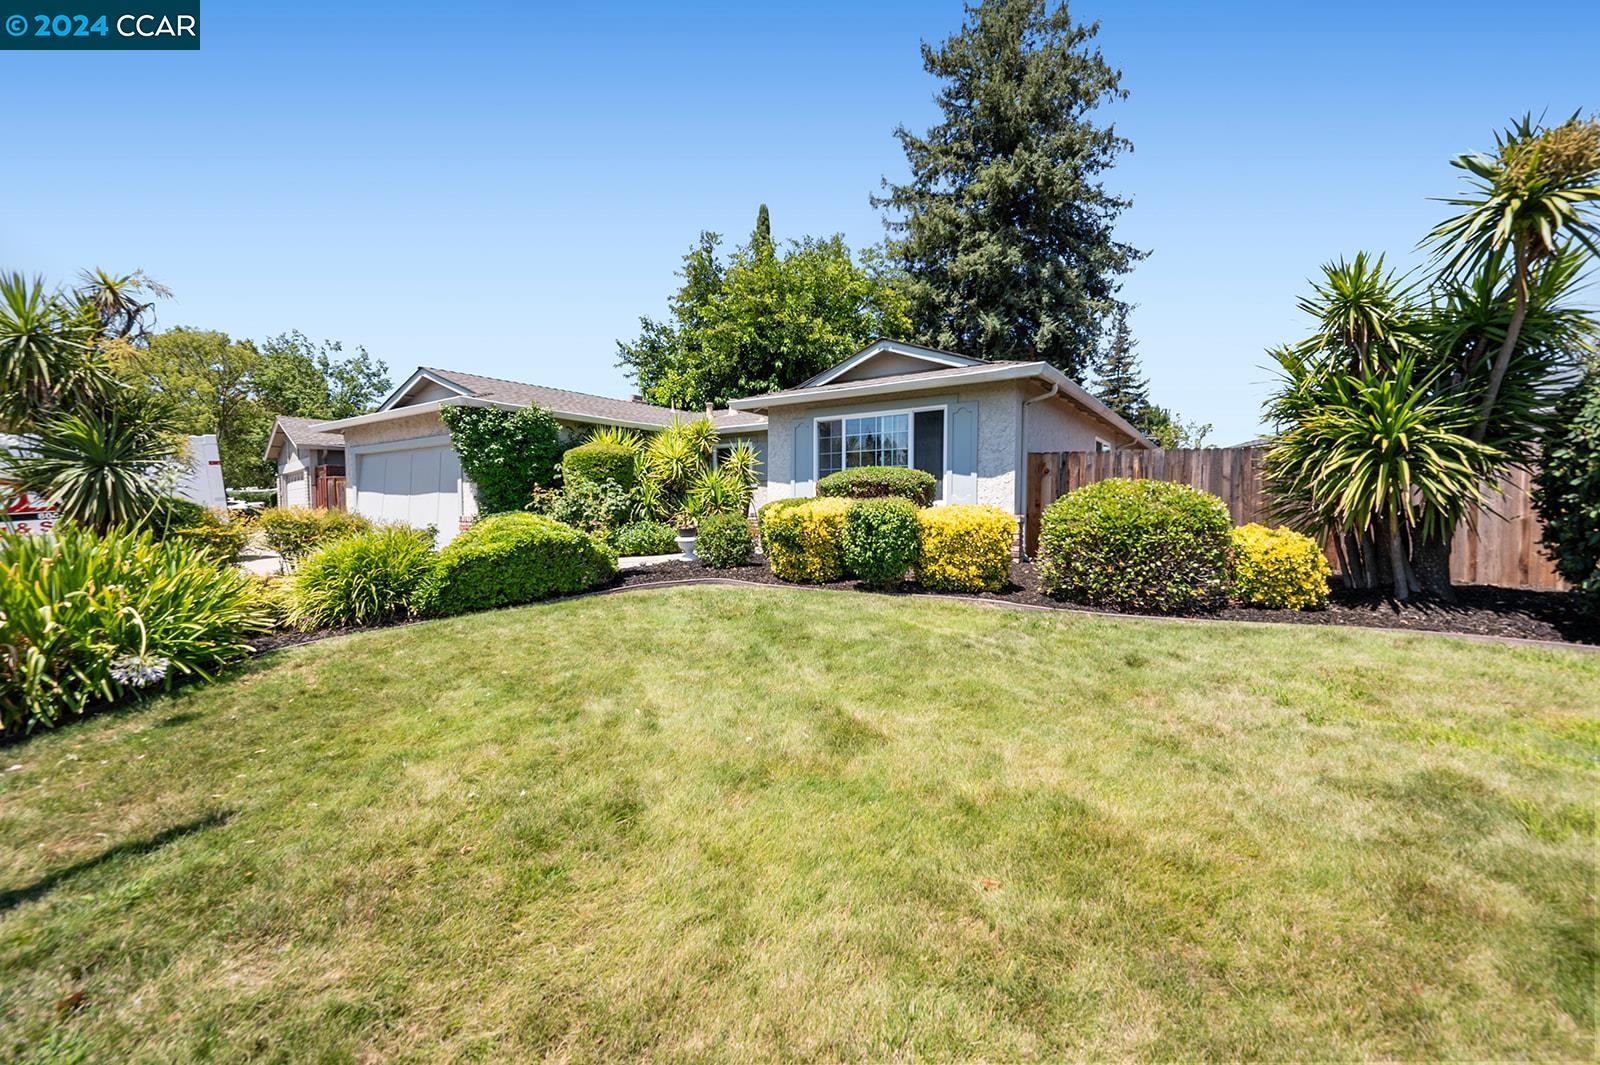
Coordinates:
(1056, 425)
(294, 480)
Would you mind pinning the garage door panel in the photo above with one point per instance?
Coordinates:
(417, 486)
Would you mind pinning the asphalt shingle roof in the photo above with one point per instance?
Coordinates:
(300, 433)
(559, 401)
(939, 375)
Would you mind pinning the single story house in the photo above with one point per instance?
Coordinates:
(968, 422)
(400, 466)
(310, 463)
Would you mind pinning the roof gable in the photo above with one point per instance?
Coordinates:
(424, 386)
(889, 358)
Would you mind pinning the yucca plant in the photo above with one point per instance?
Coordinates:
(1535, 196)
(1378, 450)
(718, 491)
(675, 457)
(616, 436)
(49, 358)
(1362, 308)
(102, 467)
(743, 461)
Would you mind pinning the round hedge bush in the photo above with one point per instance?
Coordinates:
(366, 579)
(880, 540)
(512, 558)
(877, 482)
(804, 541)
(646, 538)
(724, 540)
(965, 547)
(601, 463)
(1150, 546)
(1279, 569)
(1567, 488)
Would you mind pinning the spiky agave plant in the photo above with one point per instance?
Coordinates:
(718, 491)
(48, 353)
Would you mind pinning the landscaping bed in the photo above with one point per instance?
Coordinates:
(1478, 611)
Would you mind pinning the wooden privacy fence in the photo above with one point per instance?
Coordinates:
(1499, 544)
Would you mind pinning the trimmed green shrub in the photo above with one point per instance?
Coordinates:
(87, 618)
(175, 518)
(876, 482)
(1567, 488)
(507, 559)
(805, 540)
(724, 540)
(774, 507)
(965, 548)
(295, 532)
(1279, 569)
(602, 463)
(1150, 546)
(366, 579)
(594, 507)
(881, 537)
(506, 453)
(646, 538)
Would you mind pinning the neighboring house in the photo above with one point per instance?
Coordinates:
(400, 465)
(310, 463)
(969, 423)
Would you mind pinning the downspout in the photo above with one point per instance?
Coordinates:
(1022, 460)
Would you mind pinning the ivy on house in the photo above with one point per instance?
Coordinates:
(506, 453)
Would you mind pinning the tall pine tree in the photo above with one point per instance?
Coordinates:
(1118, 382)
(1005, 231)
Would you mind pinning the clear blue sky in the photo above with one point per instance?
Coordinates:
(505, 188)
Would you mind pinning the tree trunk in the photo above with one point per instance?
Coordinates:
(1502, 361)
(1430, 558)
(1397, 562)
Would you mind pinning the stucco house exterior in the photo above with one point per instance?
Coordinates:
(968, 422)
(310, 463)
(400, 465)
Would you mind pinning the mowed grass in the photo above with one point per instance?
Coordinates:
(733, 824)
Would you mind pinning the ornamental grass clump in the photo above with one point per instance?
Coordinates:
(1139, 545)
(367, 579)
(87, 618)
(965, 548)
(804, 540)
(1279, 569)
(881, 537)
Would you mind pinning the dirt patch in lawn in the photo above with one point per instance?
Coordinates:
(1478, 611)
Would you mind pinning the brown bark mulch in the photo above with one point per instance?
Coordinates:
(1477, 611)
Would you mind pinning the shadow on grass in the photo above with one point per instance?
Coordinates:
(14, 897)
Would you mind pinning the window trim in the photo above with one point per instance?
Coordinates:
(1103, 445)
(911, 439)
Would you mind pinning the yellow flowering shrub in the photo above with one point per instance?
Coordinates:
(965, 548)
(1279, 568)
(805, 541)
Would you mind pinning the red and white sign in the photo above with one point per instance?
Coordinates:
(25, 512)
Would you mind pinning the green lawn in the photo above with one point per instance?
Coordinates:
(731, 823)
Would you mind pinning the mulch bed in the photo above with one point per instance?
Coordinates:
(1478, 611)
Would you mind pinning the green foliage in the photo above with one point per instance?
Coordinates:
(295, 532)
(1567, 488)
(86, 618)
(512, 558)
(366, 579)
(1119, 382)
(1169, 431)
(602, 463)
(718, 491)
(724, 541)
(646, 538)
(804, 539)
(596, 508)
(761, 321)
(49, 358)
(175, 518)
(103, 465)
(774, 507)
(875, 482)
(965, 548)
(1279, 569)
(881, 537)
(505, 453)
(616, 436)
(1004, 231)
(1149, 546)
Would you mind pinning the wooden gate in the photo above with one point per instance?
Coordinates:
(1498, 544)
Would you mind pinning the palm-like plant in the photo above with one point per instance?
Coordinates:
(48, 354)
(1362, 308)
(744, 463)
(677, 454)
(103, 468)
(1535, 195)
(1377, 448)
(616, 436)
(114, 299)
(718, 491)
